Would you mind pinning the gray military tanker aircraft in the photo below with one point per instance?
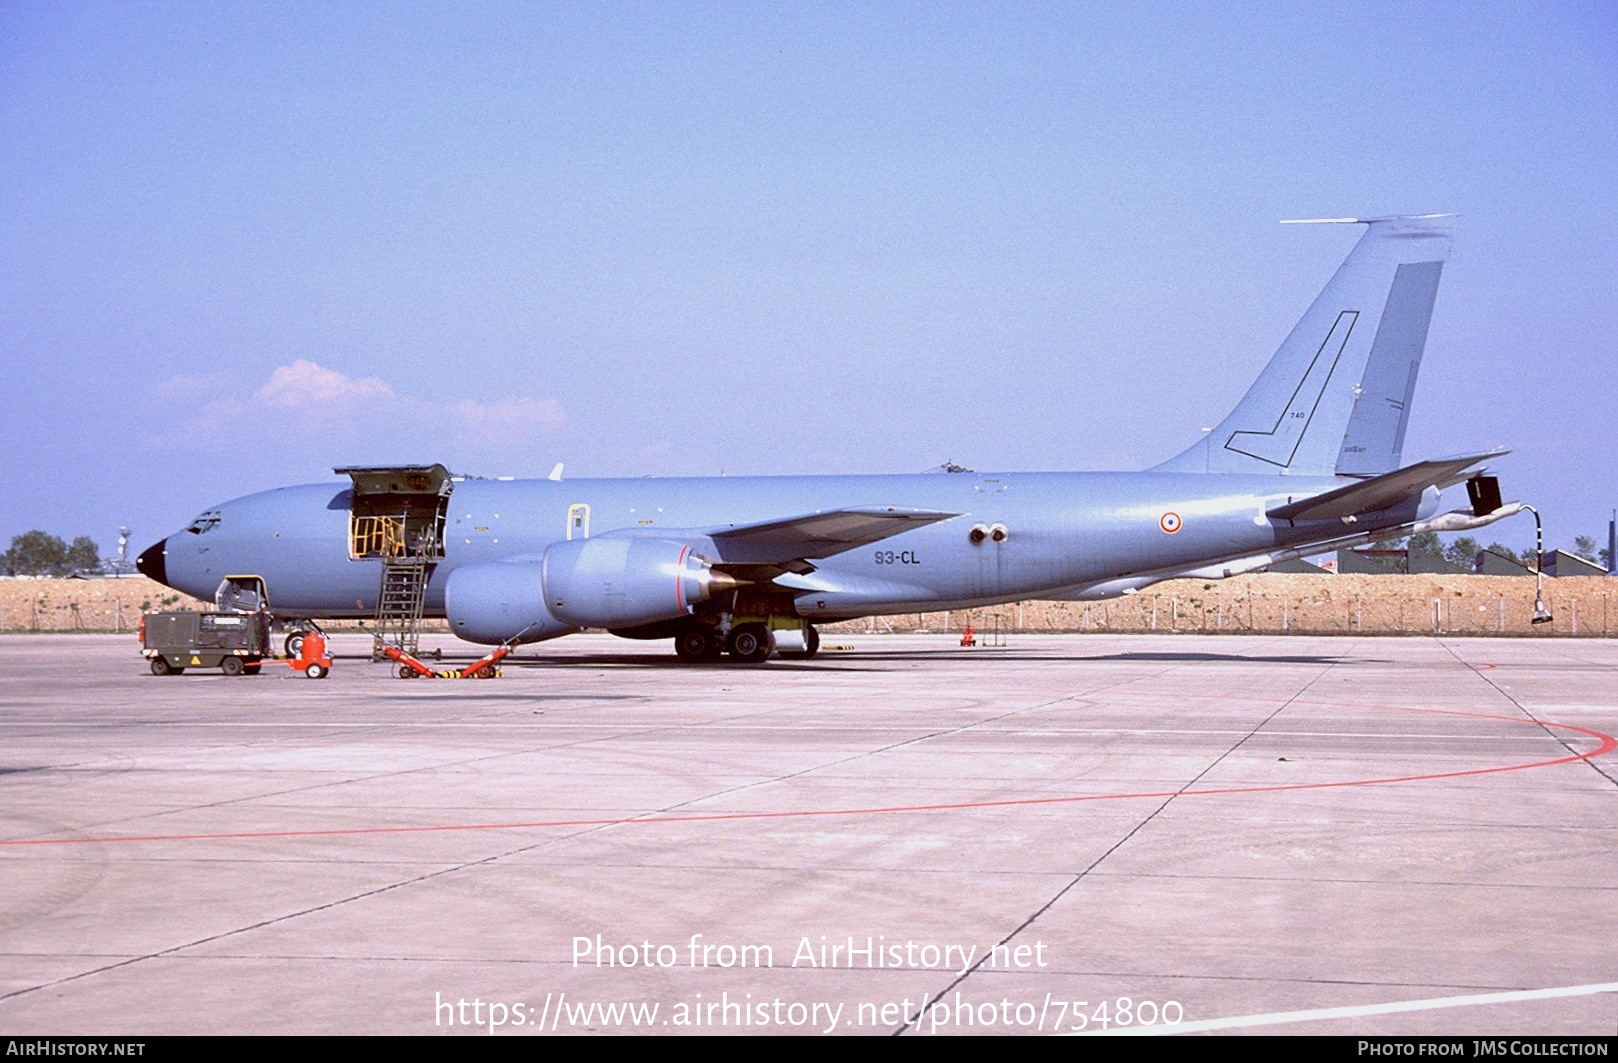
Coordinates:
(1308, 461)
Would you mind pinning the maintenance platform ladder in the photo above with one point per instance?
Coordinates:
(398, 605)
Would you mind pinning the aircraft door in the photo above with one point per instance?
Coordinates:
(398, 512)
(578, 521)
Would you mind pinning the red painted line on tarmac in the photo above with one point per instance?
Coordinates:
(1607, 744)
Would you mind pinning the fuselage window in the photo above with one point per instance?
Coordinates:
(206, 522)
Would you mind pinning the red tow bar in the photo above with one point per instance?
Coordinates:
(411, 668)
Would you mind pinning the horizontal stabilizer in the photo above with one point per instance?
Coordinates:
(1380, 492)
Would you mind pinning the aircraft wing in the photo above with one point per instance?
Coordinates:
(1380, 492)
(821, 534)
(762, 550)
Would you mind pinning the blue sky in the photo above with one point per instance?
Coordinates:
(245, 243)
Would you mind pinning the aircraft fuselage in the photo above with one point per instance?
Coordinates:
(1310, 459)
(1062, 533)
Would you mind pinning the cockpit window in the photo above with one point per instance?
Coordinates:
(206, 522)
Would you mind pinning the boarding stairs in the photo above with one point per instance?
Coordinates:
(398, 604)
(396, 517)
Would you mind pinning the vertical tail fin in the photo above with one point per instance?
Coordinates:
(1335, 398)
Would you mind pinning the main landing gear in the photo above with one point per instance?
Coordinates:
(699, 644)
(811, 645)
(751, 643)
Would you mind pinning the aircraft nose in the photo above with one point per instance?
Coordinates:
(153, 563)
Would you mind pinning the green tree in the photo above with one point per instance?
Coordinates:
(1425, 543)
(1462, 553)
(36, 553)
(1585, 547)
(83, 555)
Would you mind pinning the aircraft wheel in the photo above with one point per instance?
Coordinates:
(697, 644)
(161, 666)
(294, 643)
(751, 644)
(811, 645)
(315, 671)
(232, 666)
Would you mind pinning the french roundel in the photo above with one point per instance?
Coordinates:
(1169, 522)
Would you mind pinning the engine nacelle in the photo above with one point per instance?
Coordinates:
(495, 601)
(624, 582)
(604, 582)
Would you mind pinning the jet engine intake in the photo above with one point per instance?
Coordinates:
(496, 601)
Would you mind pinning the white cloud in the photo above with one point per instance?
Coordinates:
(509, 414)
(305, 383)
(357, 418)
